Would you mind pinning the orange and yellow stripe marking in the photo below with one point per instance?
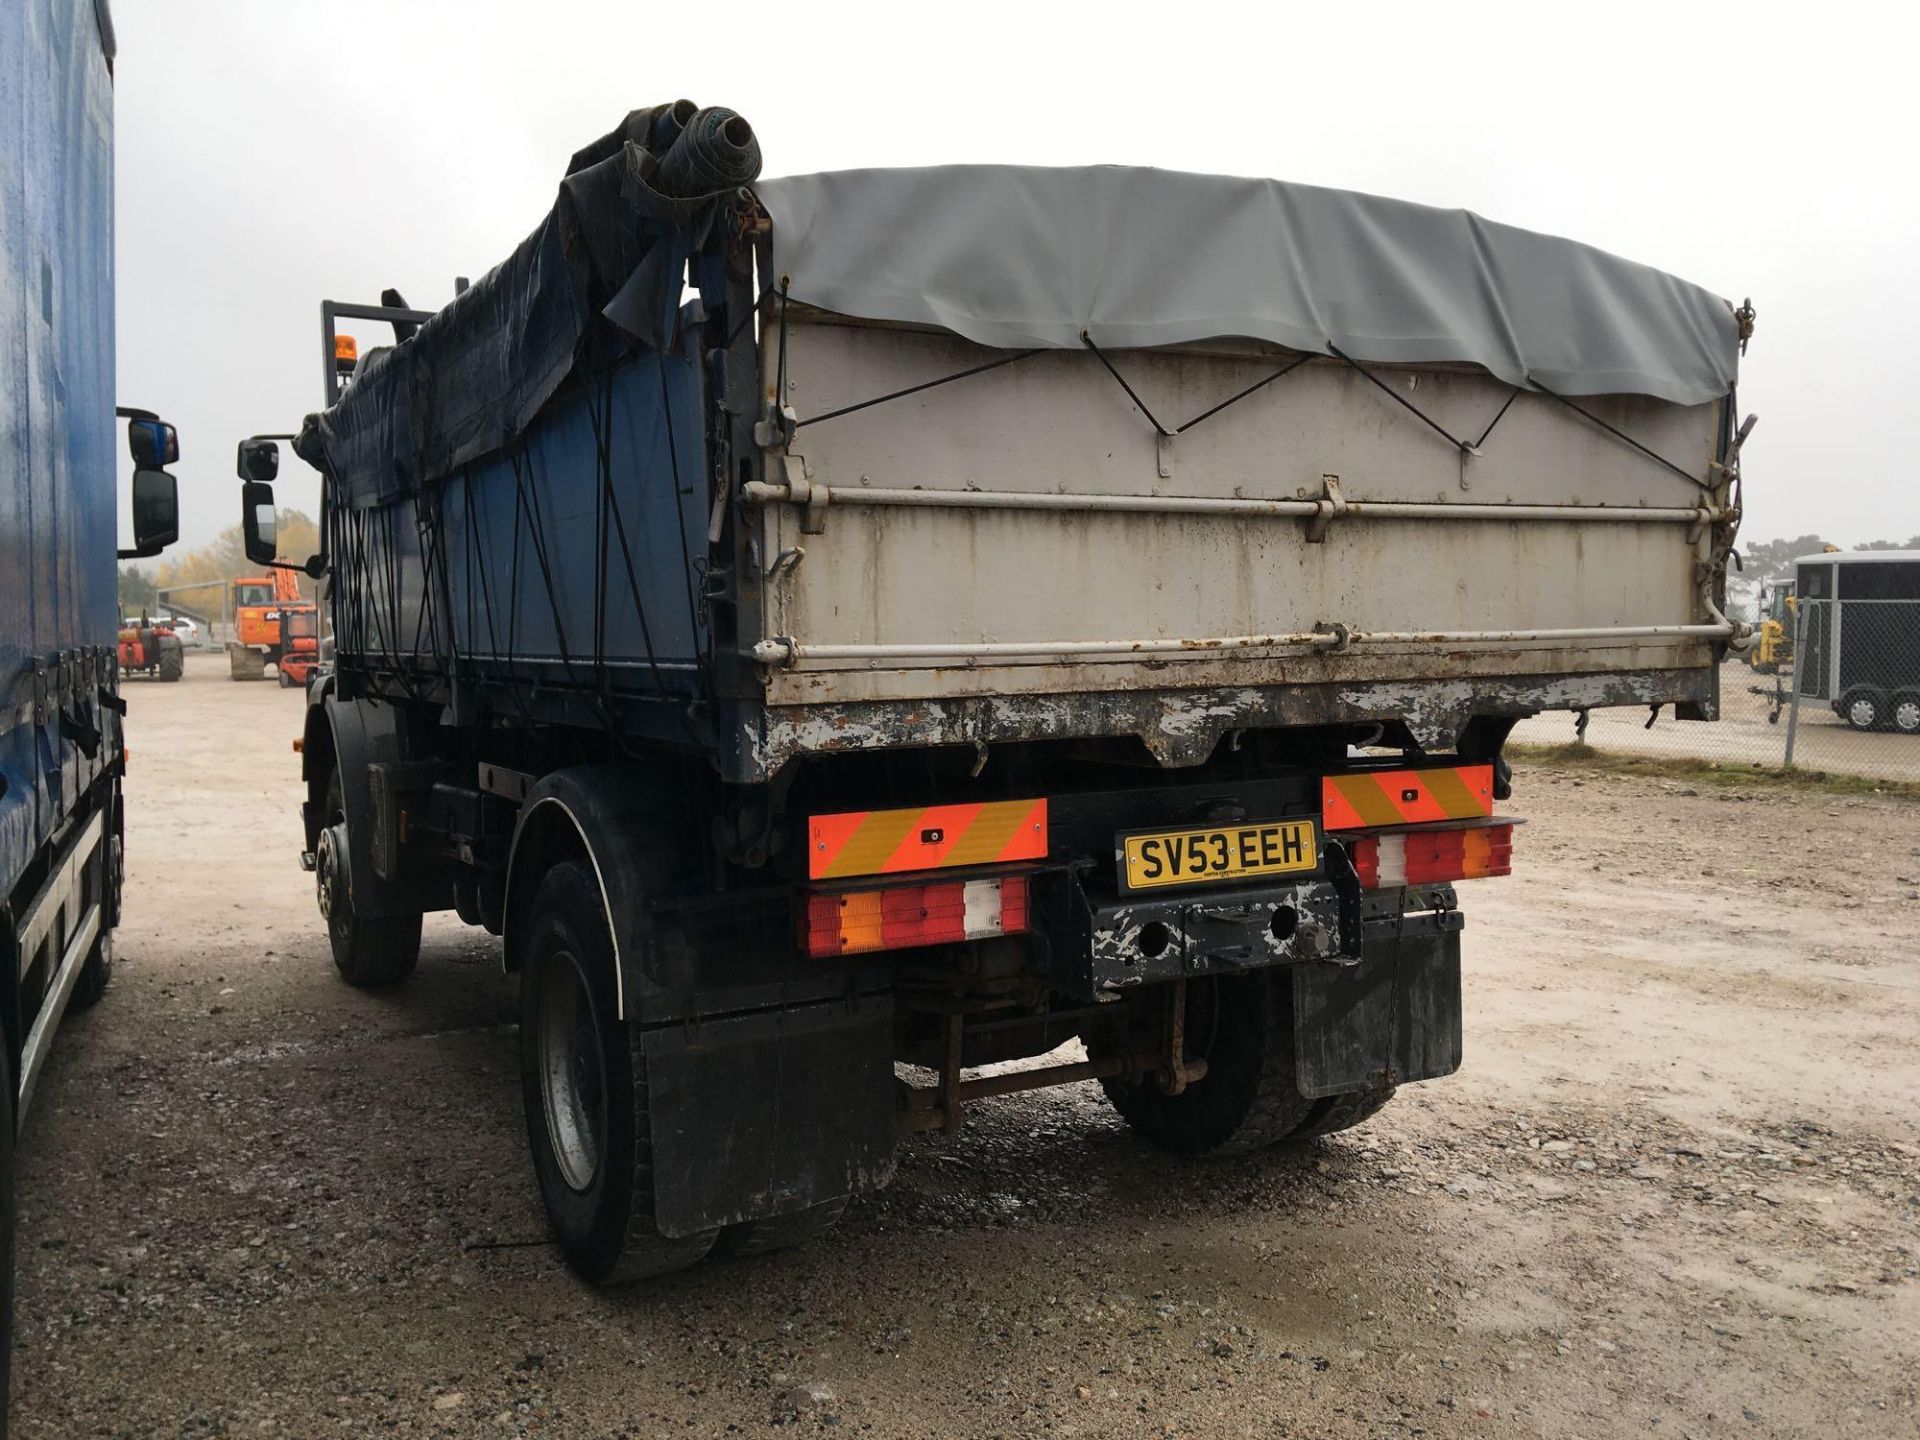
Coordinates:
(1406, 797)
(932, 837)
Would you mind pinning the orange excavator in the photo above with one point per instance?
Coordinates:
(272, 622)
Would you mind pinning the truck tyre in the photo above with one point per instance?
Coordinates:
(1343, 1112)
(780, 1232)
(173, 659)
(1242, 1026)
(583, 1078)
(1864, 708)
(368, 952)
(1906, 712)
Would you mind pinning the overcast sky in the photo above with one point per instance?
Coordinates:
(271, 154)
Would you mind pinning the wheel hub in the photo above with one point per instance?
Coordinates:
(329, 871)
(572, 1071)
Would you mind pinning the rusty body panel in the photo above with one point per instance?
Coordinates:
(1038, 562)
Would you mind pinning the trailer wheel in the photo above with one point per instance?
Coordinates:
(1242, 1026)
(780, 1232)
(1864, 708)
(173, 659)
(1906, 712)
(1343, 1112)
(368, 952)
(583, 1078)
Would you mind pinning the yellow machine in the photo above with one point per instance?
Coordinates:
(1772, 652)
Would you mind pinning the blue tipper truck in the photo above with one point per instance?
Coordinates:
(853, 632)
(61, 752)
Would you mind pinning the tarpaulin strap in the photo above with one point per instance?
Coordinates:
(1208, 414)
(1511, 397)
(916, 389)
(1286, 369)
(1620, 434)
(1399, 399)
(1159, 429)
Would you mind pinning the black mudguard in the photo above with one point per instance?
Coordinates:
(1391, 1018)
(763, 1114)
(363, 733)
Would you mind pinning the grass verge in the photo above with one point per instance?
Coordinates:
(1710, 772)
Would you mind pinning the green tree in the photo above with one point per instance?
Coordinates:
(136, 590)
(1773, 559)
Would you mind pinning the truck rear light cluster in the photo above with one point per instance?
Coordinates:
(851, 922)
(1430, 857)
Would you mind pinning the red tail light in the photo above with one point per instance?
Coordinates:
(1430, 857)
(850, 922)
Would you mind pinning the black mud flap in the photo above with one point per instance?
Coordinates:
(766, 1113)
(1392, 1018)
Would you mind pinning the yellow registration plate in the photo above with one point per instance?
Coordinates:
(1229, 852)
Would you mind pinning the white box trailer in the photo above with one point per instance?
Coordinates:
(1005, 608)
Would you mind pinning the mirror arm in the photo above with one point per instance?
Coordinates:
(143, 552)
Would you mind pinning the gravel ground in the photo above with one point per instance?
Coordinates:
(1672, 1192)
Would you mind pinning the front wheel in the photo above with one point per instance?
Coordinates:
(583, 1078)
(1906, 712)
(1864, 708)
(368, 951)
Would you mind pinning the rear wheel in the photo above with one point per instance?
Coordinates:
(583, 1078)
(173, 659)
(1242, 1026)
(368, 951)
(1906, 712)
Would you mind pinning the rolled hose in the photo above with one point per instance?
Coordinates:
(716, 150)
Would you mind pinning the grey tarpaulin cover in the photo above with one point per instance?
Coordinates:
(1019, 256)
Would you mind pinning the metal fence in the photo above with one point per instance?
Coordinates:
(1836, 690)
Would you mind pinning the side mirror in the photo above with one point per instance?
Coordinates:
(259, 461)
(257, 527)
(156, 509)
(153, 443)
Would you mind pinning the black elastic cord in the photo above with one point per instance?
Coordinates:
(1286, 369)
(1515, 395)
(916, 389)
(1622, 435)
(1399, 399)
(1159, 429)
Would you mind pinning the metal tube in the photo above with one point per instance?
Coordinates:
(1012, 1081)
(1799, 657)
(761, 493)
(786, 651)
